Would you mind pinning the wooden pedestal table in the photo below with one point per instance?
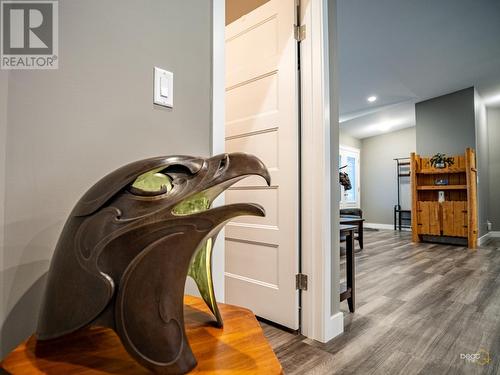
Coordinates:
(239, 348)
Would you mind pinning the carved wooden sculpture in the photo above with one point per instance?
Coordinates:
(344, 179)
(128, 245)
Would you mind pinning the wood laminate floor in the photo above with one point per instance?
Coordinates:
(419, 307)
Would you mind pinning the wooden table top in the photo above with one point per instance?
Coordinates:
(346, 228)
(239, 348)
(351, 220)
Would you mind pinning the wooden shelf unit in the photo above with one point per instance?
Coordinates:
(442, 187)
(457, 215)
(441, 171)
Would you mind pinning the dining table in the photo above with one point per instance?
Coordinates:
(347, 291)
(349, 220)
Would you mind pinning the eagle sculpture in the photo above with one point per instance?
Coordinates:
(128, 245)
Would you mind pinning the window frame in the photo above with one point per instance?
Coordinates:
(345, 151)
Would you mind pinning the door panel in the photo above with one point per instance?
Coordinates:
(267, 198)
(262, 145)
(261, 119)
(428, 218)
(254, 260)
(455, 218)
(252, 99)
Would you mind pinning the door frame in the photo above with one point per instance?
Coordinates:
(321, 316)
(217, 140)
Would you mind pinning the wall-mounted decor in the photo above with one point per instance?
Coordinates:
(444, 199)
(127, 247)
(344, 179)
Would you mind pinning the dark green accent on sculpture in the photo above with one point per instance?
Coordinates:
(200, 268)
(197, 203)
(200, 271)
(153, 182)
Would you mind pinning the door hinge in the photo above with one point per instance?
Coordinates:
(300, 32)
(301, 281)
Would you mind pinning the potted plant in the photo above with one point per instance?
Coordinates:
(441, 161)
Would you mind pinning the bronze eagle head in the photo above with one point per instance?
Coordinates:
(128, 245)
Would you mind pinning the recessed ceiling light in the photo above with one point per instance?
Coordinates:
(372, 99)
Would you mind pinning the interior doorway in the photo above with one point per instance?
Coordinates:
(262, 118)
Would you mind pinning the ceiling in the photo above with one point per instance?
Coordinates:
(406, 51)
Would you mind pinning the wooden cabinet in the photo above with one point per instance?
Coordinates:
(456, 215)
(428, 221)
(455, 218)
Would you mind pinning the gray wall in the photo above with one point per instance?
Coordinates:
(69, 127)
(378, 174)
(451, 123)
(347, 140)
(494, 166)
(446, 123)
(482, 160)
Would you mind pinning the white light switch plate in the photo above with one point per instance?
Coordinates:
(441, 196)
(163, 88)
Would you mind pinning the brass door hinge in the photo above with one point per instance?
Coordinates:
(301, 281)
(300, 32)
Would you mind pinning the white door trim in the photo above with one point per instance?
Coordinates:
(218, 126)
(321, 317)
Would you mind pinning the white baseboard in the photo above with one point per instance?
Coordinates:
(335, 327)
(481, 240)
(383, 226)
(378, 226)
(492, 234)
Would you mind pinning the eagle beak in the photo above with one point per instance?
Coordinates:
(243, 165)
(221, 215)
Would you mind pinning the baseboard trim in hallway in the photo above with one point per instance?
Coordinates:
(482, 240)
(384, 226)
(378, 226)
(336, 324)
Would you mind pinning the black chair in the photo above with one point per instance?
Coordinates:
(351, 212)
(355, 213)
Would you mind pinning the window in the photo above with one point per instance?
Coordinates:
(349, 156)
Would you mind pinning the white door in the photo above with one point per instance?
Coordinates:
(262, 119)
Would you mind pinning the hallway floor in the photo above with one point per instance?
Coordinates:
(419, 307)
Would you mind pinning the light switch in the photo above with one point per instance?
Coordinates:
(441, 198)
(163, 87)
